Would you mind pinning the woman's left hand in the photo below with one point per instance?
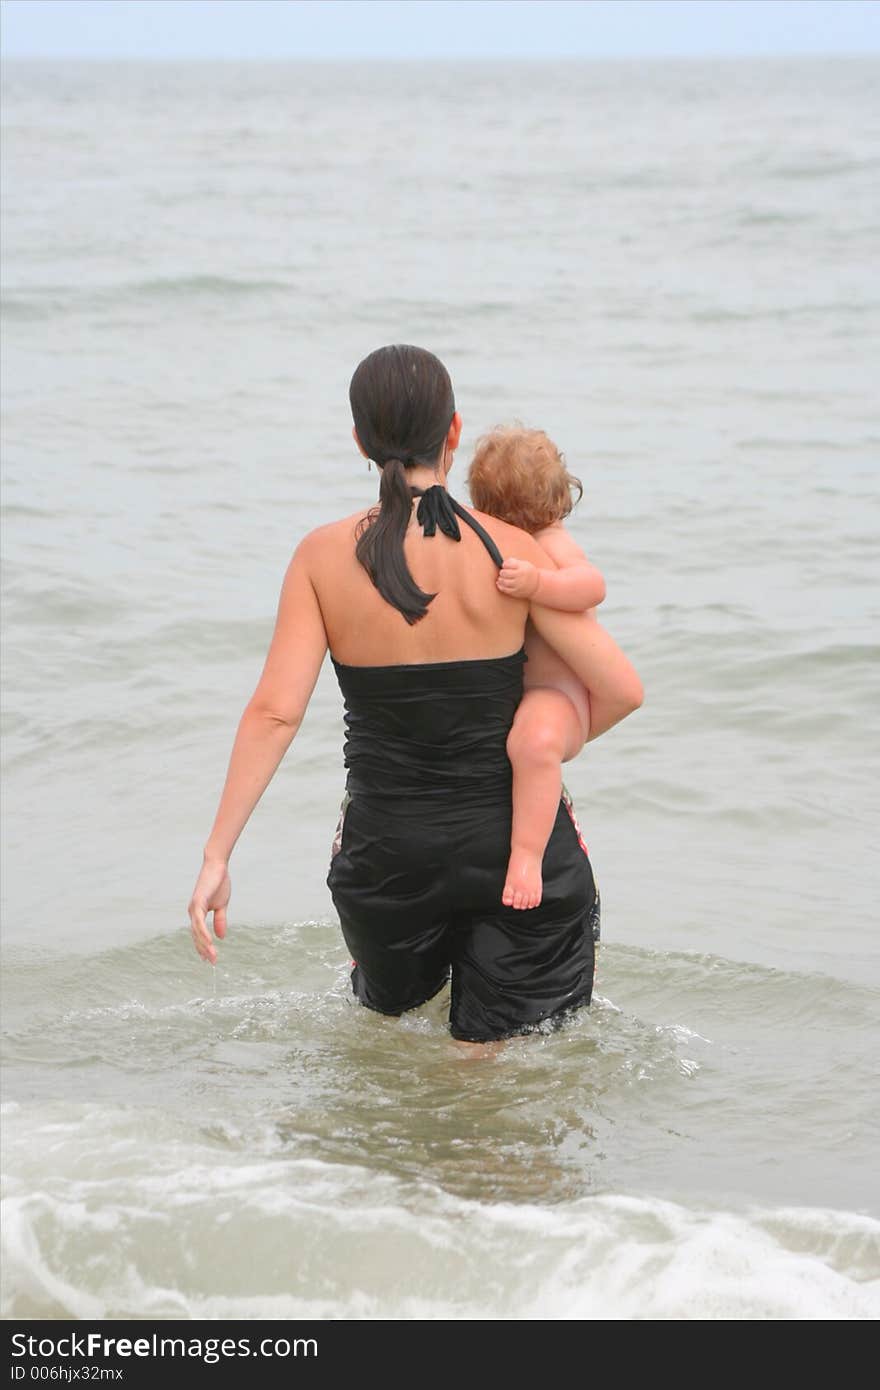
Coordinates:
(211, 894)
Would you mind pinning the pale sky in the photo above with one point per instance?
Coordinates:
(422, 29)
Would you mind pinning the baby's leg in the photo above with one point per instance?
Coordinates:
(546, 732)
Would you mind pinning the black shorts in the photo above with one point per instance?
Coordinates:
(417, 885)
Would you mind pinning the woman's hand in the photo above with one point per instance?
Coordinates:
(211, 894)
(518, 578)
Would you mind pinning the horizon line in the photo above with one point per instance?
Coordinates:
(457, 58)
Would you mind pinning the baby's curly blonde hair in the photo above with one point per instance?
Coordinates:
(520, 476)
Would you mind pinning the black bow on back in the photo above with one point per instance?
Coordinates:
(437, 509)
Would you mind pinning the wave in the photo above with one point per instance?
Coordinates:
(259, 945)
(122, 1220)
(112, 988)
(718, 314)
(831, 166)
(42, 301)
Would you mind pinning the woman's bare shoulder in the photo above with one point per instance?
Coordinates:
(510, 539)
(332, 537)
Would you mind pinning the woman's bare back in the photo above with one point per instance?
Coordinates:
(467, 620)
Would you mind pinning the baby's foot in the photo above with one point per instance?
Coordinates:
(523, 887)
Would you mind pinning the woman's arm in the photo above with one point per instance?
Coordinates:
(609, 677)
(267, 727)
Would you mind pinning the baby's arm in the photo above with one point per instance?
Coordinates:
(573, 586)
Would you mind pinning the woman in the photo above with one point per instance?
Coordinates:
(429, 657)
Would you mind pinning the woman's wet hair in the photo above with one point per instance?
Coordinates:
(402, 404)
(520, 476)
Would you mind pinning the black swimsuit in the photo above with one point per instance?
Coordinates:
(420, 859)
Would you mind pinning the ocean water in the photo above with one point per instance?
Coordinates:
(672, 268)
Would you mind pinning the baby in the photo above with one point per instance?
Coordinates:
(519, 476)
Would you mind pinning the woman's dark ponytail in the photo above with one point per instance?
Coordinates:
(402, 404)
(380, 545)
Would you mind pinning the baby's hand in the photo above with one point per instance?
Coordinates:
(519, 578)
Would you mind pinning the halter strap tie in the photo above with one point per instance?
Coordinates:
(438, 511)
